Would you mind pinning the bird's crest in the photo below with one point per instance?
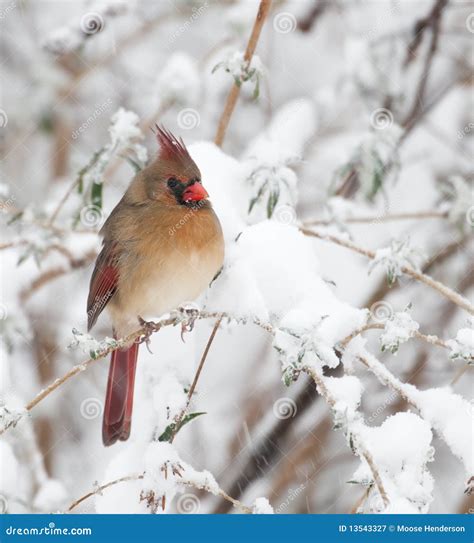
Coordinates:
(172, 148)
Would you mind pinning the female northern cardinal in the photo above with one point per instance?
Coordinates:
(162, 246)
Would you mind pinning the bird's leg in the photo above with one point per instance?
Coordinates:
(149, 328)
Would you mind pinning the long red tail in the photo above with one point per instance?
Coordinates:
(117, 419)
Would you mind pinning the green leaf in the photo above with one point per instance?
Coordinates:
(96, 195)
(254, 200)
(15, 218)
(256, 91)
(379, 174)
(133, 163)
(170, 429)
(272, 201)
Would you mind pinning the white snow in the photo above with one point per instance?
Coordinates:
(262, 506)
(178, 80)
(395, 257)
(452, 417)
(401, 448)
(398, 329)
(463, 345)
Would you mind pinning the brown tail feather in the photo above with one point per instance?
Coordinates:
(119, 397)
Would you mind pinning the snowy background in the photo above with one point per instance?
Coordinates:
(354, 123)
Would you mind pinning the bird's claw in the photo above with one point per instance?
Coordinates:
(188, 324)
(149, 328)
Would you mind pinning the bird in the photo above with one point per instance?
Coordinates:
(162, 246)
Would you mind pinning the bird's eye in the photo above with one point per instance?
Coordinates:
(172, 182)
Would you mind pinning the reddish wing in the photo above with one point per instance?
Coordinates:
(103, 282)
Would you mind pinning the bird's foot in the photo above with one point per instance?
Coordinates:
(149, 328)
(191, 314)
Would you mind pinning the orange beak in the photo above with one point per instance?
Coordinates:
(195, 193)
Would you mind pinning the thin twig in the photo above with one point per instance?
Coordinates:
(431, 339)
(419, 276)
(233, 96)
(101, 488)
(196, 379)
(134, 336)
(382, 218)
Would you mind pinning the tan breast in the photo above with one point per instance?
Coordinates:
(169, 262)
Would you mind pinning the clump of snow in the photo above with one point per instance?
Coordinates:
(62, 40)
(10, 416)
(261, 506)
(398, 329)
(401, 448)
(72, 37)
(396, 257)
(89, 345)
(351, 352)
(125, 134)
(51, 496)
(463, 345)
(179, 80)
(9, 472)
(301, 348)
(272, 184)
(169, 398)
(242, 70)
(452, 417)
(346, 390)
(123, 498)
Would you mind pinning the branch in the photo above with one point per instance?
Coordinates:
(431, 339)
(423, 278)
(233, 96)
(100, 489)
(360, 448)
(382, 218)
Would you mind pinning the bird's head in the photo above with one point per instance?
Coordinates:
(174, 178)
